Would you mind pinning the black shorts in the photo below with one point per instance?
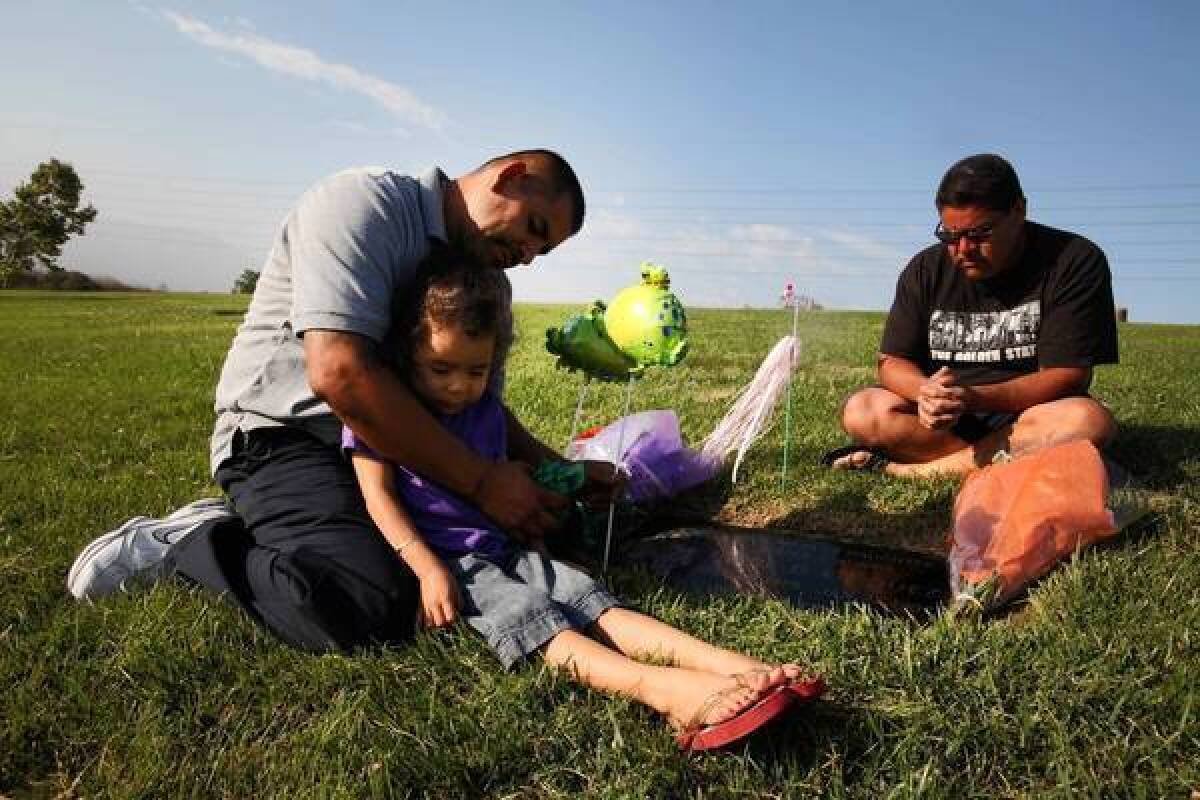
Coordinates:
(974, 425)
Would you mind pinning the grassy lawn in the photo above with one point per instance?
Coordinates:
(1089, 689)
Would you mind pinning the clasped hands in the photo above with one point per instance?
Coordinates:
(940, 400)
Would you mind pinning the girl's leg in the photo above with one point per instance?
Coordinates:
(687, 697)
(638, 635)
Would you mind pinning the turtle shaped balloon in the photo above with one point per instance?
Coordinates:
(645, 325)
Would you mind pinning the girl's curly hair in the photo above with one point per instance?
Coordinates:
(447, 293)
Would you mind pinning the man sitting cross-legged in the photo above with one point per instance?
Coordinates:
(991, 339)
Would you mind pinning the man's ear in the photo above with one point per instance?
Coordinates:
(511, 171)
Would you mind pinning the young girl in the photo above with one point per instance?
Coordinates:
(521, 600)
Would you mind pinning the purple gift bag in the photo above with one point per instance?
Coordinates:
(652, 455)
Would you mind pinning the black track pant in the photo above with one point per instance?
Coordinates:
(304, 559)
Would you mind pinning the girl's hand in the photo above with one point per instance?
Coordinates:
(440, 599)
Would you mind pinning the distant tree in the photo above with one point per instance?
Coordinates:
(246, 282)
(70, 280)
(43, 214)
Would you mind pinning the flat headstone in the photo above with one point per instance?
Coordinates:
(809, 571)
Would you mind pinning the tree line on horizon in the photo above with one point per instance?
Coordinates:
(42, 215)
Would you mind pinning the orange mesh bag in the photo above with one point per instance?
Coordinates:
(1014, 521)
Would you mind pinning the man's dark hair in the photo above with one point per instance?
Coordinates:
(561, 176)
(986, 181)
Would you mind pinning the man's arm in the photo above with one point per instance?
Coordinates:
(346, 372)
(1016, 395)
(523, 445)
(940, 400)
(603, 481)
(900, 376)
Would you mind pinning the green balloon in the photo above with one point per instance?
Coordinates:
(581, 343)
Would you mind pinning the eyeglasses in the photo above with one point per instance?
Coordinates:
(977, 235)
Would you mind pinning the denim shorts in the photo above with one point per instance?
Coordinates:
(522, 600)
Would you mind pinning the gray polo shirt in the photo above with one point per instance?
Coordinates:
(352, 240)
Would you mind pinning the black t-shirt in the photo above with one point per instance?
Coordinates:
(1054, 308)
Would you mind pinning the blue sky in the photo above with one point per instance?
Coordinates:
(741, 145)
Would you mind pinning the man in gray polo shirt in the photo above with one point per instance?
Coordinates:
(300, 554)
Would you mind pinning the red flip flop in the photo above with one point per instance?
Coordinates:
(808, 690)
(746, 722)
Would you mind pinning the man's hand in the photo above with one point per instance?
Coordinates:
(603, 483)
(440, 598)
(512, 498)
(940, 401)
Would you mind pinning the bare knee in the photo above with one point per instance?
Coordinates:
(1069, 418)
(865, 414)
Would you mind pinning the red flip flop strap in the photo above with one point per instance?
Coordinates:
(740, 726)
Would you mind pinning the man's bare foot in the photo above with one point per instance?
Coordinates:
(856, 458)
(941, 468)
(905, 470)
(865, 460)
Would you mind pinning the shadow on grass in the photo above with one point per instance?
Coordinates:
(803, 738)
(1156, 453)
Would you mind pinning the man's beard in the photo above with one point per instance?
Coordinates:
(478, 251)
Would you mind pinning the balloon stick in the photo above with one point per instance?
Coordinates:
(587, 379)
(612, 503)
(787, 417)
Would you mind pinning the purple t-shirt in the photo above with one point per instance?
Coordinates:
(449, 524)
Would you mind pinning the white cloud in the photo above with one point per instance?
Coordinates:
(765, 241)
(863, 245)
(730, 265)
(745, 263)
(711, 265)
(349, 126)
(605, 224)
(763, 232)
(301, 63)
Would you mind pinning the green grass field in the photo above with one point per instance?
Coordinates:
(1088, 690)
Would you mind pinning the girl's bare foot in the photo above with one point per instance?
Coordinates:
(766, 677)
(696, 699)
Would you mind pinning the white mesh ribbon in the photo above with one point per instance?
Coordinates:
(750, 412)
